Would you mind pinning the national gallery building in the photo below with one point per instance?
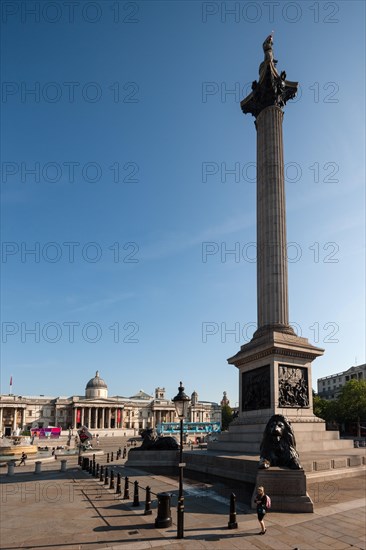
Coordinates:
(99, 412)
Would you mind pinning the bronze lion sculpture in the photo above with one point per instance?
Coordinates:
(278, 446)
(153, 442)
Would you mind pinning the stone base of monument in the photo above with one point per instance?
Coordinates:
(311, 435)
(225, 465)
(287, 489)
(156, 459)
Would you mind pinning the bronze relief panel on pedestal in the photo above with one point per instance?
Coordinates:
(293, 386)
(256, 385)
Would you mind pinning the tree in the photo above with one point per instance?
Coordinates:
(352, 402)
(226, 417)
(328, 410)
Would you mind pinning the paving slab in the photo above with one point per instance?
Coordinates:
(74, 511)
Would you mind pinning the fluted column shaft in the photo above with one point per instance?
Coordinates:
(272, 285)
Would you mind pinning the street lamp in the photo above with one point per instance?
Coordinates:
(181, 402)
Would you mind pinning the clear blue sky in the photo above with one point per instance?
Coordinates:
(128, 131)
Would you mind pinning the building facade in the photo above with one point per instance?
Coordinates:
(330, 386)
(97, 411)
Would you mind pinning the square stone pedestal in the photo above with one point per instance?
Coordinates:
(286, 488)
(275, 378)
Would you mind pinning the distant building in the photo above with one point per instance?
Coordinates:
(225, 401)
(329, 386)
(99, 412)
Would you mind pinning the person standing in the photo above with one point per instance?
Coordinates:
(261, 502)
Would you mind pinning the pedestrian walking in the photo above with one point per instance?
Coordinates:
(263, 503)
(23, 458)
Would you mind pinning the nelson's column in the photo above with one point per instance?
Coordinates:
(275, 366)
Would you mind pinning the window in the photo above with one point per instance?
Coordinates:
(30, 413)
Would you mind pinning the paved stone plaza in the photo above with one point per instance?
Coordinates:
(73, 510)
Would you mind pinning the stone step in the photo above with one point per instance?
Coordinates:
(259, 428)
(243, 446)
(324, 445)
(234, 446)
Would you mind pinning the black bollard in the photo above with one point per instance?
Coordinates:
(97, 470)
(94, 474)
(101, 473)
(148, 510)
(126, 493)
(111, 484)
(93, 457)
(80, 460)
(118, 487)
(112, 456)
(164, 518)
(232, 518)
(106, 480)
(107, 458)
(136, 501)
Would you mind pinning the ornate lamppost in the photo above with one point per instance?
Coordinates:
(181, 402)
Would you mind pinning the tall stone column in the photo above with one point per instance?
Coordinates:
(75, 416)
(15, 418)
(275, 366)
(1, 420)
(272, 285)
(89, 417)
(103, 418)
(23, 418)
(82, 415)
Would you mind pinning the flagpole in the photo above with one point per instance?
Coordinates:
(10, 385)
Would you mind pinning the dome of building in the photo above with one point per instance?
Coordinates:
(96, 387)
(96, 382)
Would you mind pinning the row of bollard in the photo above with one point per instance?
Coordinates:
(37, 467)
(119, 454)
(163, 518)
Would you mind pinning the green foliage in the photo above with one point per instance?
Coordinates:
(327, 410)
(352, 400)
(350, 405)
(226, 417)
